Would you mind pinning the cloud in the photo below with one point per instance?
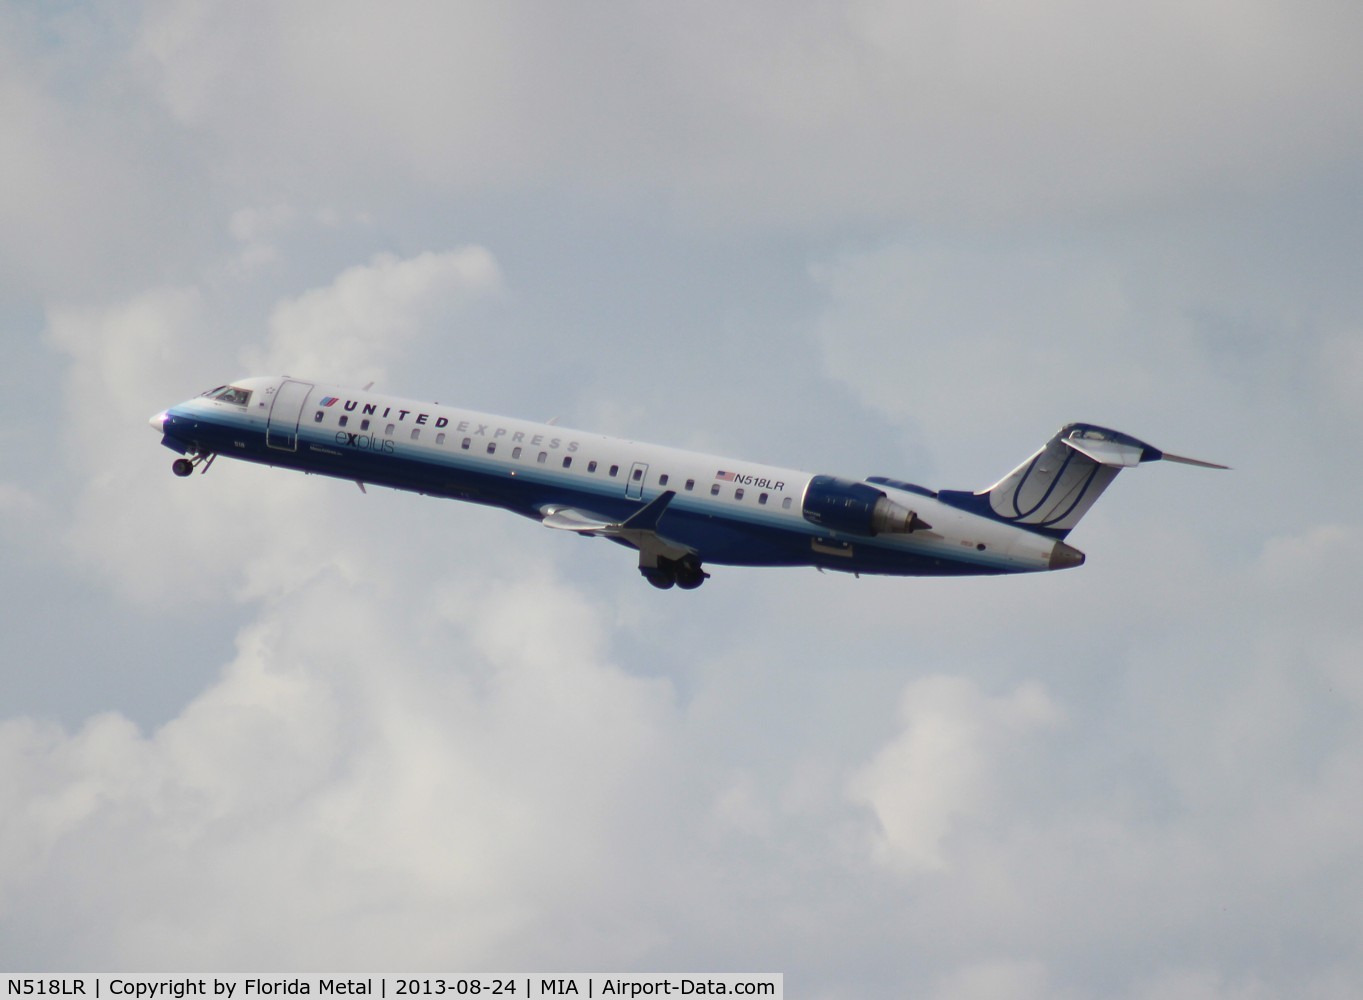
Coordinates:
(998, 980)
(940, 771)
(362, 784)
(23, 517)
(86, 175)
(1017, 329)
(121, 354)
(425, 746)
(131, 358)
(256, 230)
(423, 738)
(1340, 370)
(370, 312)
(771, 113)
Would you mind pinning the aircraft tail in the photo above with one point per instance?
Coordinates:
(1054, 488)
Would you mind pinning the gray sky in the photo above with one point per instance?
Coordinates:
(257, 721)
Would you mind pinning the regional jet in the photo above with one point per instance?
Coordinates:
(681, 510)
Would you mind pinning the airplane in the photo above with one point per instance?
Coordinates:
(681, 510)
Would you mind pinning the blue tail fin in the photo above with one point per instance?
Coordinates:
(1054, 488)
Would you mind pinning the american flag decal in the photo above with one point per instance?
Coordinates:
(728, 477)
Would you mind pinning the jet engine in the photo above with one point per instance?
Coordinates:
(844, 505)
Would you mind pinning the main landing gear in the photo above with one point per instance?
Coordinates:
(684, 573)
(186, 466)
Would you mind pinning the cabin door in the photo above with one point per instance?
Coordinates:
(634, 487)
(281, 431)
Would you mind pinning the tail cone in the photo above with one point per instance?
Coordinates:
(1065, 556)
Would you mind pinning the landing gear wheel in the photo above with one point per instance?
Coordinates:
(668, 573)
(689, 574)
(661, 578)
(201, 461)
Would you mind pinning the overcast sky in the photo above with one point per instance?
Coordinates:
(259, 721)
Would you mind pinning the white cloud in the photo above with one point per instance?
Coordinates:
(123, 354)
(85, 178)
(124, 361)
(349, 329)
(129, 359)
(1206, 984)
(970, 343)
(256, 230)
(362, 785)
(964, 340)
(800, 114)
(23, 517)
(427, 735)
(941, 770)
(1340, 371)
(998, 980)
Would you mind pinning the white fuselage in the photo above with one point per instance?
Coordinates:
(724, 510)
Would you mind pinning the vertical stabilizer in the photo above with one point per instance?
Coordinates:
(1054, 488)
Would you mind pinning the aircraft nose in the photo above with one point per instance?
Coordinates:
(1064, 556)
(158, 422)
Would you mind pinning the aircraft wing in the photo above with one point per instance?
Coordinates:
(640, 529)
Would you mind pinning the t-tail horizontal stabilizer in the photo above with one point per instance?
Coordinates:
(1054, 488)
(1185, 460)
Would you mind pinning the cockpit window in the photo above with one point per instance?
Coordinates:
(230, 394)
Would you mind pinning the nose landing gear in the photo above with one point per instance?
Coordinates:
(185, 466)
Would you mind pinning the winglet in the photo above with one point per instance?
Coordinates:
(646, 518)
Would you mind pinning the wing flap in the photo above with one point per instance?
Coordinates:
(572, 519)
(640, 529)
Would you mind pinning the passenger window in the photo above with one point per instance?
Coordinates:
(591, 466)
(492, 447)
(615, 470)
(638, 474)
(762, 498)
(465, 444)
(714, 490)
(344, 419)
(516, 452)
(388, 430)
(416, 433)
(317, 417)
(738, 493)
(439, 438)
(567, 461)
(662, 480)
(364, 424)
(785, 504)
(690, 484)
(543, 457)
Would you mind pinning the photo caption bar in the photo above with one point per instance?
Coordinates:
(518, 985)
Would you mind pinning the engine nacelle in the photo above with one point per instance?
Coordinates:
(844, 505)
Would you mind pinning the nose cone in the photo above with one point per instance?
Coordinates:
(158, 422)
(1064, 556)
